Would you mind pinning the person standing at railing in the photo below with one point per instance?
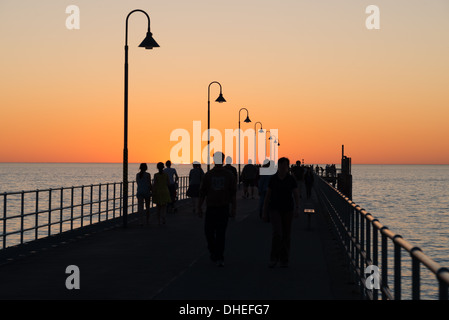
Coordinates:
(144, 188)
(195, 177)
(173, 185)
(281, 203)
(161, 194)
(219, 189)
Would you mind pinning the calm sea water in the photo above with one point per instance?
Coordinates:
(412, 200)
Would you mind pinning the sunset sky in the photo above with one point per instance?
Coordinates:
(310, 69)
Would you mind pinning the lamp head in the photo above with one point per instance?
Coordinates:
(149, 42)
(220, 98)
(247, 120)
(261, 130)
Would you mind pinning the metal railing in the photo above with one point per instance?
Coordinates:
(30, 215)
(358, 233)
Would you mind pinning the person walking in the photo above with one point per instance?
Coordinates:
(249, 177)
(229, 167)
(144, 188)
(195, 177)
(173, 185)
(308, 179)
(219, 189)
(298, 173)
(161, 194)
(281, 204)
(263, 186)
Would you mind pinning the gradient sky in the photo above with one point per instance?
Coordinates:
(308, 68)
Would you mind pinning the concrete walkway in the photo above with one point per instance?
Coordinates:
(171, 262)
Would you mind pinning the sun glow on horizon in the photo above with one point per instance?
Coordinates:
(323, 79)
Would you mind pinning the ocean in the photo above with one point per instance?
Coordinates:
(412, 200)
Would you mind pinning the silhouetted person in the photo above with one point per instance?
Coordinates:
(249, 178)
(230, 167)
(298, 173)
(195, 177)
(308, 179)
(281, 200)
(173, 184)
(219, 189)
(161, 194)
(144, 188)
(263, 186)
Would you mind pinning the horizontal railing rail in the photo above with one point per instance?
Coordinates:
(30, 215)
(358, 233)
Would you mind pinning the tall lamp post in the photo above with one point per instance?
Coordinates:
(276, 141)
(220, 99)
(147, 43)
(255, 140)
(247, 120)
(268, 131)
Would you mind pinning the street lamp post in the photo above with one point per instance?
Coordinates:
(255, 140)
(271, 156)
(220, 99)
(147, 43)
(247, 120)
(276, 141)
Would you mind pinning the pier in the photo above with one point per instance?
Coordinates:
(333, 242)
(171, 261)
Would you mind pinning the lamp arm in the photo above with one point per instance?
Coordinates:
(208, 89)
(127, 17)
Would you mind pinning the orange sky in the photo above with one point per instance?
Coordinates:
(309, 69)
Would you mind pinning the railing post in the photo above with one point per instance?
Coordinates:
(121, 199)
(357, 239)
(368, 238)
(416, 277)
(99, 202)
(397, 269)
(443, 287)
(91, 202)
(49, 211)
(362, 240)
(107, 200)
(375, 254)
(22, 202)
(82, 205)
(4, 220)
(36, 223)
(132, 199)
(71, 209)
(384, 262)
(60, 210)
(115, 196)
